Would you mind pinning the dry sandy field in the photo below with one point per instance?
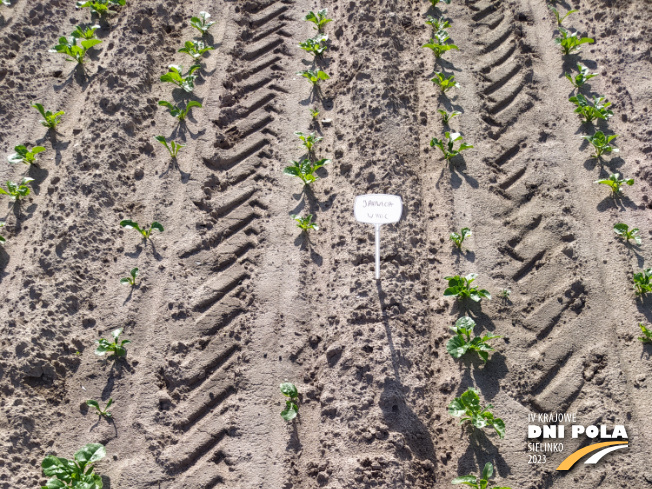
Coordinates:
(232, 299)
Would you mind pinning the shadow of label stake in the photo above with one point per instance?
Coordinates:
(378, 209)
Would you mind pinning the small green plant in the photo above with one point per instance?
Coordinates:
(76, 52)
(439, 45)
(320, 19)
(17, 191)
(78, 473)
(101, 7)
(145, 231)
(291, 410)
(314, 77)
(201, 22)
(444, 84)
(195, 49)
(131, 280)
(614, 182)
(437, 24)
(447, 116)
(570, 43)
(582, 77)
(178, 112)
(82, 32)
(2, 239)
(437, 2)
(468, 406)
(623, 231)
(101, 412)
(505, 294)
(305, 169)
(24, 155)
(116, 349)
(591, 111)
(308, 140)
(50, 119)
(647, 334)
(446, 147)
(305, 223)
(601, 143)
(458, 238)
(314, 46)
(461, 288)
(173, 147)
(176, 77)
(462, 342)
(314, 113)
(642, 284)
(558, 16)
(482, 482)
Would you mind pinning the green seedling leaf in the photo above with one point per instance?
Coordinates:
(570, 43)
(50, 119)
(131, 280)
(591, 111)
(178, 112)
(87, 33)
(647, 334)
(504, 294)
(17, 191)
(601, 144)
(458, 238)
(308, 141)
(642, 282)
(468, 407)
(461, 288)
(291, 410)
(461, 343)
(78, 473)
(481, 483)
(623, 231)
(446, 147)
(437, 2)
(101, 412)
(5, 2)
(74, 47)
(173, 148)
(319, 19)
(314, 46)
(201, 22)
(145, 232)
(24, 155)
(314, 77)
(101, 7)
(558, 16)
(116, 348)
(437, 24)
(447, 116)
(2, 239)
(305, 169)
(176, 77)
(445, 84)
(582, 77)
(195, 49)
(614, 182)
(314, 113)
(305, 223)
(439, 43)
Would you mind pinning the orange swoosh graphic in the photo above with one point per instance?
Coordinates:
(575, 456)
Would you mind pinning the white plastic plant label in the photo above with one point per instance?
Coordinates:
(378, 209)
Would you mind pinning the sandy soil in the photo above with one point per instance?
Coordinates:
(233, 301)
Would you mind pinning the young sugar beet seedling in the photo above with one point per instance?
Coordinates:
(570, 43)
(173, 148)
(178, 112)
(308, 140)
(76, 52)
(314, 46)
(614, 182)
(447, 116)
(102, 7)
(82, 32)
(101, 412)
(438, 44)
(458, 238)
(320, 20)
(17, 191)
(601, 144)
(437, 24)
(504, 294)
(642, 282)
(314, 77)
(116, 349)
(461, 288)
(131, 280)
(314, 113)
(446, 147)
(175, 76)
(195, 49)
(78, 473)
(24, 155)
(468, 406)
(647, 334)
(623, 231)
(461, 343)
(305, 223)
(558, 16)
(582, 77)
(598, 110)
(50, 119)
(201, 22)
(479, 483)
(291, 410)
(445, 84)
(305, 169)
(145, 231)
